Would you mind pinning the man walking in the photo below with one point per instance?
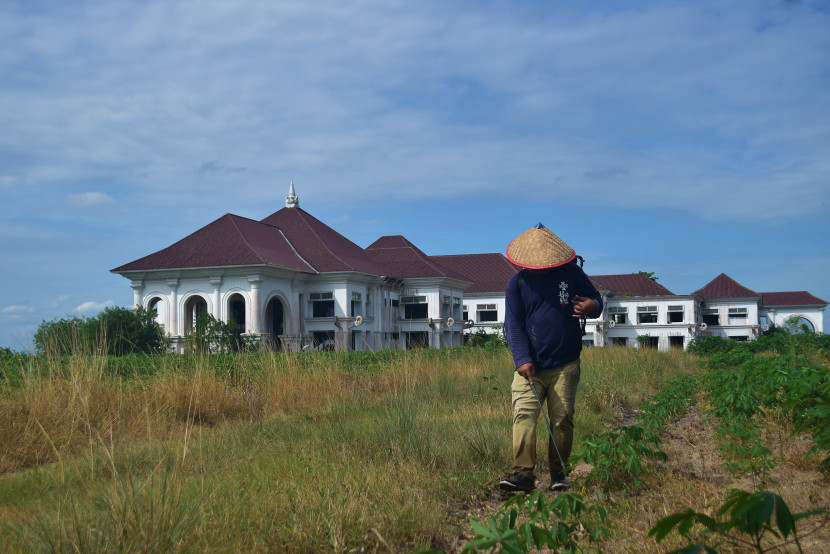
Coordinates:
(544, 302)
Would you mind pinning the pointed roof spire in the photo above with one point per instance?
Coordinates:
(292, 200)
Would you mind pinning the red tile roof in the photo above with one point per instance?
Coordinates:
(724, 286)
(488, 272)
(795, 298)
(634, 283)
(228, 241)
(400, 258)
(320, 245)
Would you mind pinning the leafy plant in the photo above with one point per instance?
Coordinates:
(672, 400)
(620, 456)
(744, 520)
(115, 331)
(212, 335)
(528, 521)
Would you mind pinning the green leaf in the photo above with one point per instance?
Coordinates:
(783, 517)
(664, 526)
(481, 529)
(513, 548)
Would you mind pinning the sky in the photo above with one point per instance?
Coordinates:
(687, 139)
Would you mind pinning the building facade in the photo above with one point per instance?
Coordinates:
(291, 282)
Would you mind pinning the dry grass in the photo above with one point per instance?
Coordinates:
(298, 453)
(63, 412)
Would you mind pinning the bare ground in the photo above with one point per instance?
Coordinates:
(693, 477)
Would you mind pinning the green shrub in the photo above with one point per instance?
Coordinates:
(115, 331)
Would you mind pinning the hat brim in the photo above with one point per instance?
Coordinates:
(539, 248)
(526, 266)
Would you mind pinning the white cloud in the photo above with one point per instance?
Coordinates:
(427, 99)
(93, 307)
(17, 310)
(89, 199)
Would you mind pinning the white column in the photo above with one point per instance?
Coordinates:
(175, 324)
(138, 288)
(217, 308)
(255, 326)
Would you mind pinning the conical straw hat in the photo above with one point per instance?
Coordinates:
(539, 248)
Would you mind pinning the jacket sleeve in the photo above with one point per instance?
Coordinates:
(586, 288)
(514, 323)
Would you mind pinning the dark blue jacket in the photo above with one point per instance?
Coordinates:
(539, 322)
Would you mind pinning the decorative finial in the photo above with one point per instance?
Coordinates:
(292, 200)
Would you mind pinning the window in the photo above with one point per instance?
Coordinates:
(648, 342)
(676, 342)
(415, 307)
(417, 339)
(465, 315)
(647, 314)
(486, 313)
(357, 305)
(322, 304)
(323, 340)
(675, 314)
(710, 316)
(619, 341)
(737, 313)
(236, 306)
(195, 307)
(618, 315)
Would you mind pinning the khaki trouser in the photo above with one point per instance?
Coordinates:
(558, 386)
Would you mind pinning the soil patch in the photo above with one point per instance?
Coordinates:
(693, 477)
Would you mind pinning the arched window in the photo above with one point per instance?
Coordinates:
(275, 322)
(156, 305)
(799, 324)
(193, 308)
(236, 311)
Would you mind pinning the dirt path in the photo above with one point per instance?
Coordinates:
(693, 477)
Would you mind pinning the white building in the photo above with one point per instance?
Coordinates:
(638, 311)
(294, 283)
(291, 281)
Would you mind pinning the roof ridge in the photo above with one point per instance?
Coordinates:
(288, 242)
(323, 242)
(245, 238)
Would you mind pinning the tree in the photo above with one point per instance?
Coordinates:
(212, 335)
(115, 331)
(649, 274)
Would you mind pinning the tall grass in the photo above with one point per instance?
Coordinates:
(289, 452)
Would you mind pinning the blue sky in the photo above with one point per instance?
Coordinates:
(684, 138)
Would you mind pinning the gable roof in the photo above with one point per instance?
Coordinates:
(320, 245)
(724, 286)
(487, 272)
(400, 258)
(228, 241)
(794, 298)
(634, 283)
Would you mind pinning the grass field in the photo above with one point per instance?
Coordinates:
(312, 452)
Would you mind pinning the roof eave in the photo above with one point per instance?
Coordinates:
(127, 272)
